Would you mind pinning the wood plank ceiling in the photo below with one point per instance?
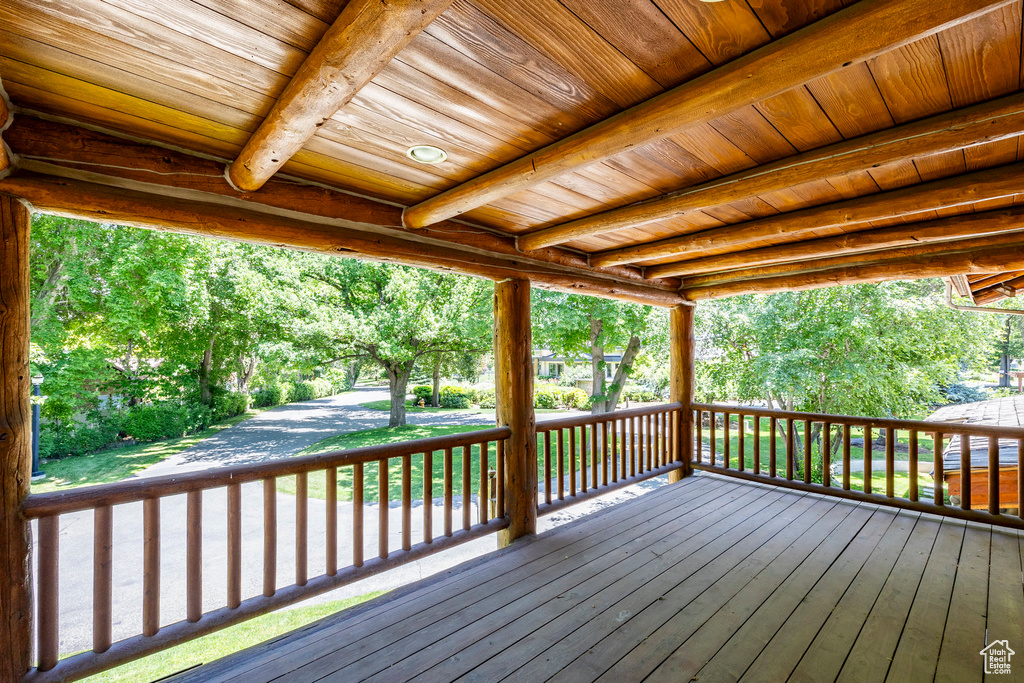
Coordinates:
(492, 80)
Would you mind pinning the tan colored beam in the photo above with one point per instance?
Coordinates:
(940, 230)
(963, 287)
(864, 30)
(1012, 285)
(996, 120)
(360, 43)
(78, 199)
(89, 154)
(969, 188)
(983, 260)
(682, 359)
(5, 116)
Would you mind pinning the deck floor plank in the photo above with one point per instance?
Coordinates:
(709, 579)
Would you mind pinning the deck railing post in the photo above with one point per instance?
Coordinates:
(513, 390)
(681, 370)
(15, 442)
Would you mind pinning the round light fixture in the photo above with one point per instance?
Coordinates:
(426, 154)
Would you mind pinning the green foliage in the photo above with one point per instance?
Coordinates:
(166, 420)
(228, 404)
(552, 396)
(961, 393)
(639, 394)
(271, 395)
(454, 397)
(486, 399)
(424, 393)
(310, 389)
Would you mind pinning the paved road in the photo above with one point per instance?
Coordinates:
(276, 433)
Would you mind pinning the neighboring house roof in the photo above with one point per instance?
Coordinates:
(545, 356)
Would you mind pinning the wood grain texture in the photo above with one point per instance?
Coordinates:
(15, 441)
(682, 356)
(513, 381)
(5, 120)
(367, 35)
(848, 36)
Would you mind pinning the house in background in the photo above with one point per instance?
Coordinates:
(550, 364)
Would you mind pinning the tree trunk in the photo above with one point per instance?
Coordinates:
(248, 369)
(398, 383)
(205, 370)
(622, 373)
(436, 399)
(597, 397)
(352, 373)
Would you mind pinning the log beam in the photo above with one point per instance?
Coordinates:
(926, 232)
(988, 122)
(984, 260)
(994, 183)
(682, 350)
(5, 120)
(1012, 285)
(513, 392)
(89, 154)
(15, 442)
(360, 43)
(864, 30)
(89, 201)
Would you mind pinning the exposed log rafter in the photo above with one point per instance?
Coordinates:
(365, 37)
(857, 33)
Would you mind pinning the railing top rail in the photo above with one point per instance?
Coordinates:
(918, 425)
(580, 420)
(89, 497)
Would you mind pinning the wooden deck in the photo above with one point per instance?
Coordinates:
(711, 579)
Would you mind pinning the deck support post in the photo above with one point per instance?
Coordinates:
(513, 392)
(15, 442)
(681, 370)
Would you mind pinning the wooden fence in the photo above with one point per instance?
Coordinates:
(722, 436)
(102, 500)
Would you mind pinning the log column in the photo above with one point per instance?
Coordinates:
(513, 392)
(15, 442)
(681, 372)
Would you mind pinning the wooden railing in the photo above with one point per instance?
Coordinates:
(455, 451)
(583, 457)
(725, 443)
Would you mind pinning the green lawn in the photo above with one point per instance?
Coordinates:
(413, 408)
(222, 643)
(115, 464)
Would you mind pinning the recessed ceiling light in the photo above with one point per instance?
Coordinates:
(427, 154)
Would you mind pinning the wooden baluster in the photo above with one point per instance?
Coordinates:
(49, 589)
(726, 440)
(826, 454)
(757, 444)
(614, 450)
(150, 566)
(428, 497)
(382, 508)
(560, 465)
(699, 448)
(663, 441)
(485, 496)
(449, 492)
(939, 481)
(467, 487)
(583, 458)
(604, 453)
(649, 445)
(547, 467)
(501, 477)
(331, 484)
(406, 502)
(868, 453)
(912, 455)
(711, 436)
(194, 556)
(572, 461)
(790, 447)
(846, 457)
(269, 536)
(632, 445)
(807, 451)
(102, 578)
(301, 528)
(890, 462)
(965, 472)
(234, 545)
(741, 446)
(993, 475)
(773, 446)
(357, 515)
(624, 455)
(594, 458)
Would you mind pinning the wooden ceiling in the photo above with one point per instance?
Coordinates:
(491, 81)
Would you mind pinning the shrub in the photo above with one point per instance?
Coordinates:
(310, 389)
(486, 398)
(573, 398)
(229, 404)
(271, 395)
(961, 393)
(638, 394)
(552, 396)
(454, 397)
(165, 420)
(423, 392)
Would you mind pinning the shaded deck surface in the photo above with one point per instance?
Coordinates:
(711, 579)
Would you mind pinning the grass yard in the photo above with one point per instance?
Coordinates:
(115, 464)
(411, 407)
(222, 643)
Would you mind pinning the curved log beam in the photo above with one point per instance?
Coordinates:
(862, 31)
(992, 183)
(365, 37)
(5, 119)
(996, 120)
(940, 230)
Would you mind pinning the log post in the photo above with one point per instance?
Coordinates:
(681, 369)
(513, 392)
(15, 442)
